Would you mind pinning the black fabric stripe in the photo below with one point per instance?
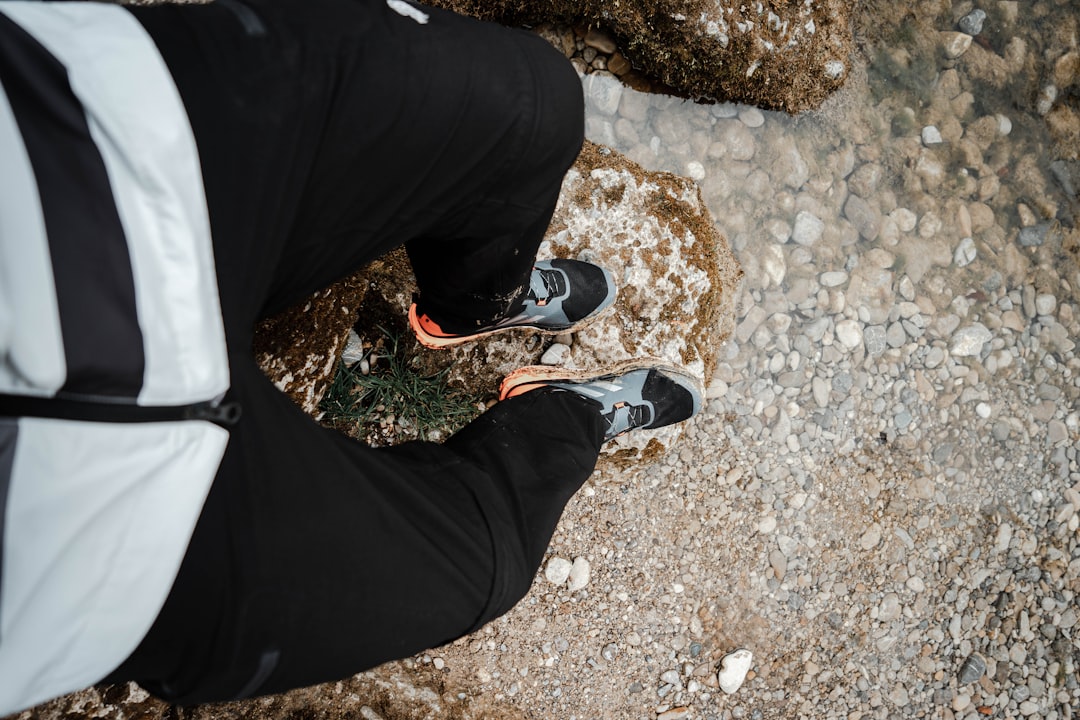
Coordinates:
(95, 288)
(9, 432)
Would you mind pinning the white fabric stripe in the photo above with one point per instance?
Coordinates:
(31, 343)
(94, 537)
(140, 126)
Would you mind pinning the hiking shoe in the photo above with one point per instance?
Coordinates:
(563, 295)
(640, 394)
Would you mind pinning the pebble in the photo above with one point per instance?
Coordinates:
(1045, 304)
(972, 669)
(733, 669)
(808, 228)
(849, 333)
(955, 44)
(972, 23)
(1034, 236)
(557, 354)
(931, 136)
(871, 537)
(751, 117)
(579, 574)
(969, 341)
(557, 570)
(965, 252)
(833, 278)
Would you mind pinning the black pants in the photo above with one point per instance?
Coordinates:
(330, 132)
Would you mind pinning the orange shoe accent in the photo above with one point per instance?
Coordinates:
(428, 332)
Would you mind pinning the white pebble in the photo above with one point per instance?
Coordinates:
(966, 252)
(833, 278)
(751, 117)
(1004, 124)
(733, 669)
(955, 44)
(808, 228)
(834, 69)
(983, 410)
(931, 135)
(579, 574)
(557, 354)
(1045, 304)
(849, 333)
(557, 570)
(905, 219)
(695, 170)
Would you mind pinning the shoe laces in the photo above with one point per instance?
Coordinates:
(544, 285)
(625, 417)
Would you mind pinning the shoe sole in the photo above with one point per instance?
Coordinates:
(434, 342)
(542, 374)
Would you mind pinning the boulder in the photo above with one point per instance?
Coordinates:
(776, 54)
(677, 286)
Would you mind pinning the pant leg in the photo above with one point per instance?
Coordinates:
(318, 557)
(337, 130)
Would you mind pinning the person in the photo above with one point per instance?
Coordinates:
(170, 175)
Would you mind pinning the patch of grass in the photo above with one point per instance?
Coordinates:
(394, 402)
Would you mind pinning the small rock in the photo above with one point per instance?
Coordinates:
(871, 537)
(557, 354)
(695, 170)
(579, 574)
(931, 135)
(733, 669)
(671, 677)
(955, 44)
(1004, 124)
(849, 333)
(1045, 304)
(557, 570)
(965, 252)
(905, 219)
(972, 669)
(603, 42)
(808, 228)
(751, 117)
(972, 23)
(675, 713)
(863, 216)
(968, 341)
(833, 278)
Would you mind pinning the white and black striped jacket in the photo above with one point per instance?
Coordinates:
(108, 299)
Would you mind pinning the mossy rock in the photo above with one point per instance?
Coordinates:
(784, 55)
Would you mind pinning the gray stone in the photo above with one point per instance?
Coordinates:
(972, 669)
(1035, 235)
(875, 339)
(808, 228)
(972, 23)
(863, 216)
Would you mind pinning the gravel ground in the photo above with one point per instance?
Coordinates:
(881, 500)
